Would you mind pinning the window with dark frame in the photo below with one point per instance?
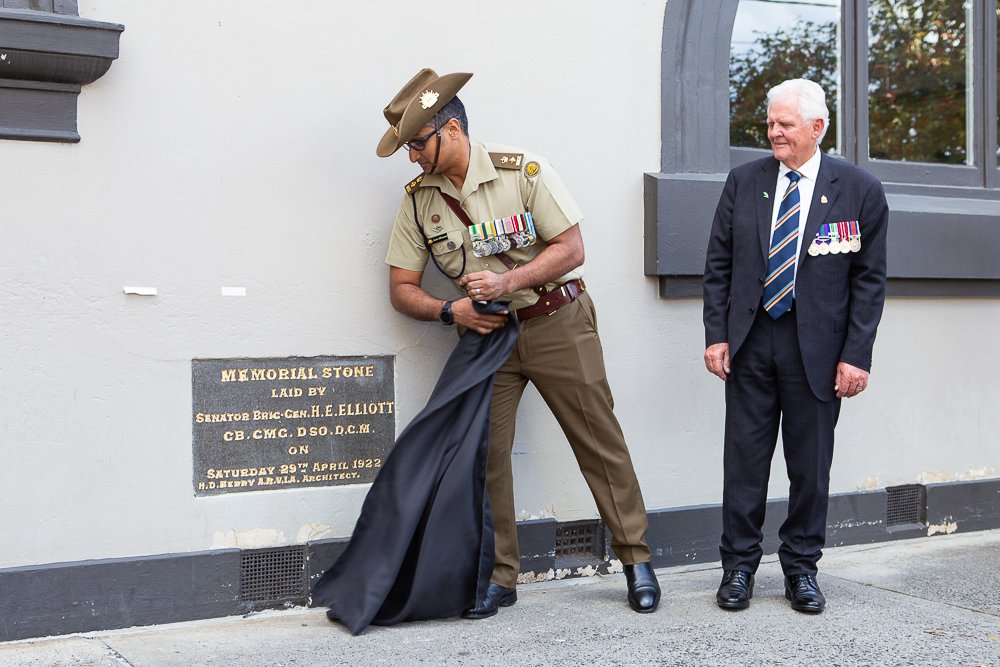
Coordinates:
(911, 84)
(893, 69)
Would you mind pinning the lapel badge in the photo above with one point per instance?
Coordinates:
(823, 199)
(765, 195)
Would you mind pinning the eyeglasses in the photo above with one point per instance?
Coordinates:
(420, 143)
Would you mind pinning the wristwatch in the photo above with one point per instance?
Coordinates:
(446, 316)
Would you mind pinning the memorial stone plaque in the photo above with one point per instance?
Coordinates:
(265, 424)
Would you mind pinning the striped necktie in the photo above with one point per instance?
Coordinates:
(780, 281)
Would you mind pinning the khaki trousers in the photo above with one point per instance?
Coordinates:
(561, 355)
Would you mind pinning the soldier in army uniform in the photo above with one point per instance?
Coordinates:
(499, 224)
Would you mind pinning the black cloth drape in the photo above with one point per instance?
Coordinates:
(423, 544)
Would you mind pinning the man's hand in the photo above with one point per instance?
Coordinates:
(485, 285)
(717, 360)
(466, 315)
(851, 380)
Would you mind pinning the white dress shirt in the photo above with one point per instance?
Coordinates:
(807, 185)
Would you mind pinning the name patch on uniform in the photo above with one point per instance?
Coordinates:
(502, 234)
(434, 239)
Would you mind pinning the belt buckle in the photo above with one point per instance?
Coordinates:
(565, 292)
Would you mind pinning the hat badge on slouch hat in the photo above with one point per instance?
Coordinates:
(414, 106)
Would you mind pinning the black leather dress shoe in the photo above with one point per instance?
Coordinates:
(735, 590)
(804, 594)
(496, 596)
(643, 588)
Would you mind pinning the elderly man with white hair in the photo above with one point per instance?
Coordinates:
(793, 293)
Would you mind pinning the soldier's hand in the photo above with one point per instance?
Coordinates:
(467, 316)
(484, 285)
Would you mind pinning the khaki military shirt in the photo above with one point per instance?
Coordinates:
(501, 182)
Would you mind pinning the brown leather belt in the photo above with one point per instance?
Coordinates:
(550, 302)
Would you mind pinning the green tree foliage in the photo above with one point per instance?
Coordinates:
(916, 80)
(807, 51)
(917, 83)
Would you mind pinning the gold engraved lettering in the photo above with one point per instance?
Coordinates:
(352, 429)
(348, 372)
(276, 480)
(312, 431)
(258, 374)
(237, 473)
(269, 433)
(330, 477)
(308, 435)
(286, 392)
(373, 408)
(325, 466)
(236, 484)
(217, 417)
(321, 410)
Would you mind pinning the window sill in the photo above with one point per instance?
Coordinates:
(45, 58)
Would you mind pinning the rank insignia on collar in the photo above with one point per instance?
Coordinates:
(412, 185)
(507, 160)
(531, 169)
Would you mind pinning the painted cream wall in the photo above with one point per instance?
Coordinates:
(234, 145)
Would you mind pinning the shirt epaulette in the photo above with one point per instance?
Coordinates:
(507, 160)
(411, 186)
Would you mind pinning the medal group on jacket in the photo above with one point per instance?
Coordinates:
(502, 234)
(836, 237)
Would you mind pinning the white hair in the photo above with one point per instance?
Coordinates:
(811, 98)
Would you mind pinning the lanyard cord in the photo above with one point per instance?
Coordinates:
(420, 226)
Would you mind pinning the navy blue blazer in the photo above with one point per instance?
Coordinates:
(838, 297)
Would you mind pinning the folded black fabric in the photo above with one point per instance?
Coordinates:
(423, 544)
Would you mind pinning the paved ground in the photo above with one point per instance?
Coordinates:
(932, 601)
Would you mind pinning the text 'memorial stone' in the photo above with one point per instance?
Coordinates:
(264, 424)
